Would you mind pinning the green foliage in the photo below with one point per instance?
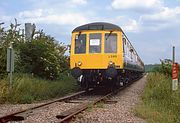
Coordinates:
(4, 93)
(159, 102)
(7, 36)
(164, 68)
(151, 67)
(27, 89)
(42, 57)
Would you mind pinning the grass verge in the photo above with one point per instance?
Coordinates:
(159, 103)
(27, 89)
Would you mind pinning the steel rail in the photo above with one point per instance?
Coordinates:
(14, 116)
(84, 106)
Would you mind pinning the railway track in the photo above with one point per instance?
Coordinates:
(67, 115)
(64, 115)
(20, 115)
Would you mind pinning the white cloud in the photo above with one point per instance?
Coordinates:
(137, 4)
(32, 13)
(63, 5)
(166, 14)
(63, 19)
(50, 17)
(153, 15)
(5, 18)
(126, 23)
(167, 17)
(55, 12)
(131, 26)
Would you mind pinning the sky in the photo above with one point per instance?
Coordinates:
(152, 26)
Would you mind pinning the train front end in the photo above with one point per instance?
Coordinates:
(96, 54)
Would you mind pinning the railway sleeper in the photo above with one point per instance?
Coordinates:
(72, 110)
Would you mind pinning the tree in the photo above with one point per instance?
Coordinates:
(43, 56)
(7, 36)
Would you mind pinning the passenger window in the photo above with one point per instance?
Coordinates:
(80, 44)
(110, 43)
(95, 43)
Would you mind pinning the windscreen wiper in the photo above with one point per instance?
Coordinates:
(79, 34)
(109, 35)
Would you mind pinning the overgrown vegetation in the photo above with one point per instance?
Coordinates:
(27, 89)
(151, 67)
(41, 67)
(159, 103)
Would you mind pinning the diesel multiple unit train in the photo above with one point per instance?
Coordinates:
(102, 55)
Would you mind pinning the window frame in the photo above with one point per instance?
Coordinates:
(100, 44)
(75, 44)
(115, 34)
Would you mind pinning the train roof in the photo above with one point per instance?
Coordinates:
(97, 26)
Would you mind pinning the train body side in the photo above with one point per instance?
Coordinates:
(132, 60)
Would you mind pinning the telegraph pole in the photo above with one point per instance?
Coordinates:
(173, 55)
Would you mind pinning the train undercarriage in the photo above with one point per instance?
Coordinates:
(110, 78)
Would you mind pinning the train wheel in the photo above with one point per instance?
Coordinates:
(120, 81)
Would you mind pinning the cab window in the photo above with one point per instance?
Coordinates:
(95, 43)
(110, 43)
(80, 44)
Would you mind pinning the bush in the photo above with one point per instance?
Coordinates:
(165, 69)
(42, 57)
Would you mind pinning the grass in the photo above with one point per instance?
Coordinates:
(27, 89)
(159, 103)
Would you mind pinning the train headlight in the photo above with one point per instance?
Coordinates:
(111, 63)
(79, 63)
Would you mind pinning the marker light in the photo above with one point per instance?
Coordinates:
(111, 63)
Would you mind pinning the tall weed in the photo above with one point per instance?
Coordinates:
(27, 89)
(159, 102)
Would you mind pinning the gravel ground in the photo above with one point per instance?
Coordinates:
(120, 112)
(47, 114)
(10, 108)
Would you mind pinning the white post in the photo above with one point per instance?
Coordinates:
(10, 64)
(174, 72)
